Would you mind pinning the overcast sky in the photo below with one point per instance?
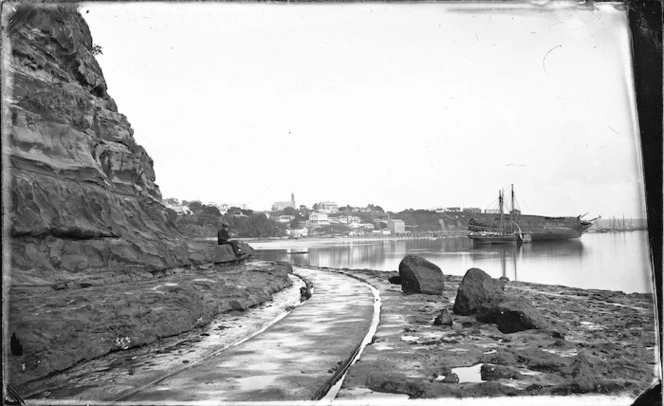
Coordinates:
(399, 105)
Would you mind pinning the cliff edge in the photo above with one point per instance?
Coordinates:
(83, 213)
(84, 203)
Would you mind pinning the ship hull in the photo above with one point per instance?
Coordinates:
(493, 239)
(541, 228)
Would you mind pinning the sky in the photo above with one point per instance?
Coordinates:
(399, 105)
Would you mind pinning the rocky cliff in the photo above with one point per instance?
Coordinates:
(83, 210)
(84, 203)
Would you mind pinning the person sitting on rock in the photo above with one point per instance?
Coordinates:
(223, 238)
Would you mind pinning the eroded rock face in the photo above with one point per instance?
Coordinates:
(476, 289)
(84, 202)
(417, 275)
(85, 211)
(59, 328)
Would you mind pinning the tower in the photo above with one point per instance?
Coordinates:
(292, 199)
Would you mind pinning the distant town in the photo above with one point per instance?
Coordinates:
(327, 218)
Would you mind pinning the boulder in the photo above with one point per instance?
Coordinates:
(305, 293)
(451, 378)
(395, 280)
(420, 276)
(444, 318)
(491, 372)
(477, 288)
(512, 315)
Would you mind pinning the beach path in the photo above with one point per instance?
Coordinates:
(296, 358)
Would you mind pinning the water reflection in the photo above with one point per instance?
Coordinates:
(601, 261)
(510, 255)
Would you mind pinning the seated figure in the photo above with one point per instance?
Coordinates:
(223, 238)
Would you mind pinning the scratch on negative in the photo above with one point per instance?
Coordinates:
(613, 130)
(547, 54)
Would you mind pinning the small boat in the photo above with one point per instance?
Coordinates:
(292, 252)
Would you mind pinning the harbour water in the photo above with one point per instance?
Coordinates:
(613, 261)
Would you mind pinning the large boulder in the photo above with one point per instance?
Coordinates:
(512, 315)
(477, 288)
(420, 276)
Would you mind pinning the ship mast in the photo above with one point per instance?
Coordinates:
(512, 211)
(500, 205)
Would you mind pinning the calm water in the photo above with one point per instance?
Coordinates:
(614, 261)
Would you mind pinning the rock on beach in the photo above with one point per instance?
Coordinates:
(477, 288)
(512, 315)
(418, 275)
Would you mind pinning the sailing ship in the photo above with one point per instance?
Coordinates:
(534, 227)
(491, 235)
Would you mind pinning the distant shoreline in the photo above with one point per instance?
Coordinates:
(346, 238)
(385, 237)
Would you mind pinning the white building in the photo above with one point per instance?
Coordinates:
(396, 226)
(317, 219)
(180, 209)
(285, 219)
(348, 219)
(298, 232)
(328, 207)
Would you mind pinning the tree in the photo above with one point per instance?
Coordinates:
(294, 223)
(205, 219)
(212, 211)
(315, 207)
(234, 211)
(346, 209)
(289, 211)
(195, 206)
